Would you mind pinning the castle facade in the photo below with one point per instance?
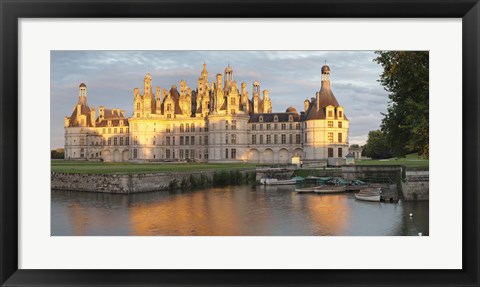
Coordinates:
(217, 121)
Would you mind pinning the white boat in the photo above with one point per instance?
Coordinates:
(274, 181)
(330, 189)
(369, 194)
(368, 197)
(307, 189)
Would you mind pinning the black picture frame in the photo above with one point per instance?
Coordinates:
(11, 11)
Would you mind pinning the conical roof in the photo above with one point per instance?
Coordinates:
(325, 97)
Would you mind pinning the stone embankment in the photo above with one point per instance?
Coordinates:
(416, 185)
(412, 184)
(134, 183)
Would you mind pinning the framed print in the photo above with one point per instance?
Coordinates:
(190, 96)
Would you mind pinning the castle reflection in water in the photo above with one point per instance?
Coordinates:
(232, 211)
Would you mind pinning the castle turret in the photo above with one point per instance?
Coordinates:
(82, 94)
(204, 74)
(228, 78)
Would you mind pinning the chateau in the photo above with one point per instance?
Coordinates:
(216, 122)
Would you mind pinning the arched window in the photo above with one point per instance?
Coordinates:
(138, 106)
(182, 128)
(187, 128)
(193, 128)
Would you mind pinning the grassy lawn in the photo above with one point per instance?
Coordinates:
(129, 167)
(411, 160)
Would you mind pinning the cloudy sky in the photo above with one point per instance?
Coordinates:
(290, 76)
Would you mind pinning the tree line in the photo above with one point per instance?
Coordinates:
(404, 128)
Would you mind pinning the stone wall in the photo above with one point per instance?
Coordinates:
(132, 183)
(412, 184)
(416, 185)
(372, 171)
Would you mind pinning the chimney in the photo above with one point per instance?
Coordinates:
(158, 95)
(101, 113)
(265, 94)
(306, 105)
(219, 81)
(158, 106)
(92, 116)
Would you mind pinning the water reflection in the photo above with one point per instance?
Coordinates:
(232, 211)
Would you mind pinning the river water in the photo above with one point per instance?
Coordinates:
(232, 211)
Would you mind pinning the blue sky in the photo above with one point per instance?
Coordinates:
(290, 76)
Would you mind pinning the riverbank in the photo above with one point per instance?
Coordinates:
(92, 167)
(145, 182)
(412, 182)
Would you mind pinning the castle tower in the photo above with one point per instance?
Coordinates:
(326, 127)
(148, 99)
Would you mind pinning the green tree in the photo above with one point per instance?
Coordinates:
(377, 146)
(406, 77)
(56, 155)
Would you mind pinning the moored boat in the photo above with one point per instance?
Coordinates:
(274, 181)
(299, 179)
(329, 189)
(368, 197)
(369, 194)
(307, 189)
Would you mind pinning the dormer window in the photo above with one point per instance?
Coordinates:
(275, 119)
(109, 123)
(290, 118)
(330, 114)
(340, 114)
(260, 119)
